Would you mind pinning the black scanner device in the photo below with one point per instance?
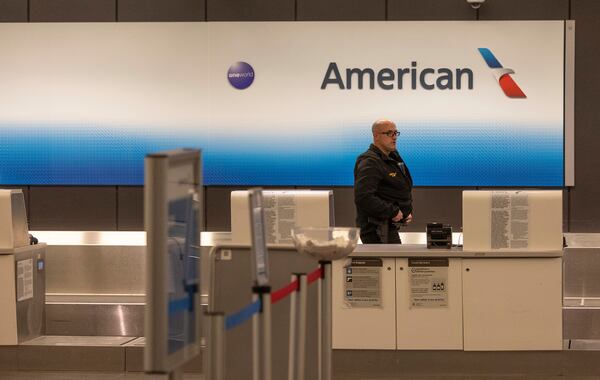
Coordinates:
(439, 235)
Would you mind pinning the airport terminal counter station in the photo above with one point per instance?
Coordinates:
(409, 297)
(447, 299)
(500, 289)
(395, 307)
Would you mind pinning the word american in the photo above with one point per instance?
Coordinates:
(389, 79)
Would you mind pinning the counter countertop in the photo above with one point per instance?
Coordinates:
(421, 250)
(14, 251)
(414, 243)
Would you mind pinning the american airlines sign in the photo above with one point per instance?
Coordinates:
(284, 103)
(413, 77)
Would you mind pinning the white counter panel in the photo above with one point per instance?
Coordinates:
(369, 327)
(512, 304)
(8, 311)
(434, 328)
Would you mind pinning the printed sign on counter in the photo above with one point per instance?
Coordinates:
(362, 282)
(280, 217)
(428, 279)
(510, 220)
(24, 279)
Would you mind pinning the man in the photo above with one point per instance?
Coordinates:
(382, 187)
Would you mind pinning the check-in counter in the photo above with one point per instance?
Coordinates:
(502, 301)
(489, 301)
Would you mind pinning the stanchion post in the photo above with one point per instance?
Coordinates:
(320, 325)
(326, 330)
(292, 335)
(266, 335)
(216, 346)
(301, 345)
(255, 342)
(262, 334)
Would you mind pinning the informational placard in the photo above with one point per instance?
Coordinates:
(491, 102)
(284, 210)
(280, 217)
(428, 281)
(510, 220)
(260, 256)
(362, 282)
(24, 279)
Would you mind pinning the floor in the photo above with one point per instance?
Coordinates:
(67, 375)
(50, 375)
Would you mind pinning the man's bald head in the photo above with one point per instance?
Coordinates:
(382, 125)
(384, 135)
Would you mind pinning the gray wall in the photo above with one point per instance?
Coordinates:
(120, 208)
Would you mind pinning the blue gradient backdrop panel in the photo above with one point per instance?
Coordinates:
(80, 155)
(90, 114)
(438, 154)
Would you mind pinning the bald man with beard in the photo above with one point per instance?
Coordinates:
(382, 187)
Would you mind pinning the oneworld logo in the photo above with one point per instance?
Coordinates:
(240, 75)
(502, 75)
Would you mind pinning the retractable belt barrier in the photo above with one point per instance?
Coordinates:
(297, 324)
(243, 315)
(236, 319)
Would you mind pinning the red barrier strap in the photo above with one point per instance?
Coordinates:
(280, 294)
(314, 275)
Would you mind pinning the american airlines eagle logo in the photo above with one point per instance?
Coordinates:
(502, 74)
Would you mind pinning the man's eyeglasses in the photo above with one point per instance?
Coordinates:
(391, 133)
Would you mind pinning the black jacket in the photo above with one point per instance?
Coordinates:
(381, 188)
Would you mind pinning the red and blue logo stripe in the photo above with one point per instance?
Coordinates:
(507, 83)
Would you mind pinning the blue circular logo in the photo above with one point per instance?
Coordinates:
(240, 75)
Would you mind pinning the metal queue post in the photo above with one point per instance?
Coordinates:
(325, 245)
(216, 342)
(325, 321)
(292, 334)
(261, 323)
(297, 342)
